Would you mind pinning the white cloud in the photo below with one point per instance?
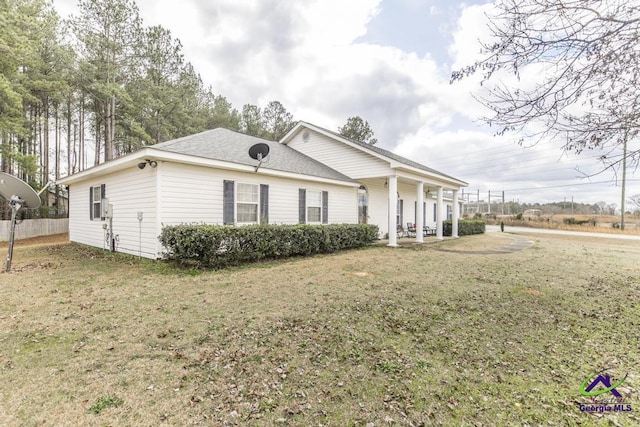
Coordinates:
(472, 27)
(305, 55)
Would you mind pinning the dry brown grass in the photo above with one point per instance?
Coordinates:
(604, 223)
(404, 336)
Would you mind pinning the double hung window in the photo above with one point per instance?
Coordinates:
(247, 203)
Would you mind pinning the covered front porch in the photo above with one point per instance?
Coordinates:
(401, 199)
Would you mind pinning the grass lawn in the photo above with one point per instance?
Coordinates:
(444, 334)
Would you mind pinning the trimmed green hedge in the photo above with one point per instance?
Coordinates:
(466, 227)
(216, 246)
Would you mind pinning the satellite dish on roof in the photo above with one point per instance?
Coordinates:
(258, 152)
(19, 195)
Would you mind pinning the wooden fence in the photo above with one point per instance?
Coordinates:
(34, 227)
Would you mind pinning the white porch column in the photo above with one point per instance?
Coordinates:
(393, 210)
(455, 214)
(419, 212)
(439, 206)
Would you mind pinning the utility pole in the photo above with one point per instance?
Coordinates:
(478, 202)
(571, 205)
(624, 178)
(502, 202)
(489, 204)
(463, 205)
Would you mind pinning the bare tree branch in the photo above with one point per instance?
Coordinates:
(586, 54)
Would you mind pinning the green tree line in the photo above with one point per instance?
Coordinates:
(78, 92)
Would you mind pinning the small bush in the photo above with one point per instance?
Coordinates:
(465, 227)
(573, 221)
(216, 246)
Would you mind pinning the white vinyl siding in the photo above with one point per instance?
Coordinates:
(339, 156)
(129, 191)
(188, 194)
(195, 194)
(192, 194)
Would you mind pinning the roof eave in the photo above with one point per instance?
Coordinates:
(161, 155)
(439, 177)
(107, 167)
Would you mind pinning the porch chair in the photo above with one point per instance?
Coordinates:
(428, 231)
(411, 230)
(400, 231)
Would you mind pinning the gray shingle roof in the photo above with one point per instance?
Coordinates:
(389, 154)
(231, 146)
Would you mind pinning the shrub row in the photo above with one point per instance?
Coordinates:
(466, 227)
(216, 246)
(573, 221)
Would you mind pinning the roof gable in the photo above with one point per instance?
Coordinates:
(368, 148)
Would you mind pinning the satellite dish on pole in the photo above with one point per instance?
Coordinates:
(19, 195)
(258, 152)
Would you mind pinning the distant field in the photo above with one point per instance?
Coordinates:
(603, 223)
(447, 333)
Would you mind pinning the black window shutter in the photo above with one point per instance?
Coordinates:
(228, 205)
(302, 205)
(435, 212)
(415, 212)
(264, 204)
(325, 207)
(401, 213)
(90, 203)
(102, 197)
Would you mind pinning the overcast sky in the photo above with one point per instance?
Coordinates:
(388, 61)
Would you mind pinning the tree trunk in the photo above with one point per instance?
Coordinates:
(44, 153)
(96, 159)
(81, 147)
(5, 149)
(69, 140)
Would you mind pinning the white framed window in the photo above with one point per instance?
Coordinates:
(247, 203)
(363, 205)
(399, 213)
(314, 206)
(96, 202)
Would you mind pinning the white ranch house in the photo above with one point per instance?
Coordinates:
(311, 176)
